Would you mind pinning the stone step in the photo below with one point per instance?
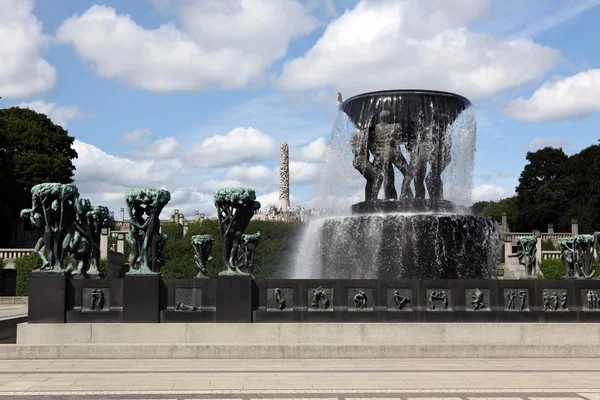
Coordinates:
(292, 351)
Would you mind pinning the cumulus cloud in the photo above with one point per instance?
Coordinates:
(415, 43)
(236, 147)
(251, 174)
(312, 152)
(159, 149)
(272, 199)
(540, 143)
(304, 172)
(490, 192)
(96, 166)
(576, 96)
(228, 43)
(23, 71)
(60, 115)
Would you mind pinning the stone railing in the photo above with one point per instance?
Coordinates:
(11, 254)
(546, 254)
(553, 237)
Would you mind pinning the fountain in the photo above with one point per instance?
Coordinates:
(414, 233)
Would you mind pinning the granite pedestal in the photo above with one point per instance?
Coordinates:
(47, 296)
(234, 298)
(141, 295)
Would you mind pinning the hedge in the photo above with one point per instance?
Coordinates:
(273, 257)
(24, 265)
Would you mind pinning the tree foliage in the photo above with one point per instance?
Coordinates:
(33, 150)
(553, 189)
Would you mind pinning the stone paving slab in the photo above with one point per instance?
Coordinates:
(335, 379)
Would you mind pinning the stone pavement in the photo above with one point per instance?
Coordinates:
(449, 379)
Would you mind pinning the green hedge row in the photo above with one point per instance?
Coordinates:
(553, 269)
(273, 258)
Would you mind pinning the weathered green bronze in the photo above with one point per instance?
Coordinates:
(526, 248)
(202, 245)
(81, 240)
(53, 214)
(98, 217)
(248, 247)
(235, 208)
(577, 254)
(584, 249)
(568, 256)
(144, 237)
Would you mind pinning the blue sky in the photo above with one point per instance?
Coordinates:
(195, 95)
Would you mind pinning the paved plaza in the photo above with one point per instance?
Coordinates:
(449, 379)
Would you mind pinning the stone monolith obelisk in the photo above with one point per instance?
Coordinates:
(284, 177)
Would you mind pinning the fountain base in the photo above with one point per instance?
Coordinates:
(403, 246)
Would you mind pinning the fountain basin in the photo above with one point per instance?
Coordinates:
(402, 246)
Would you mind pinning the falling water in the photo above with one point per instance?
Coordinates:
(423, 245)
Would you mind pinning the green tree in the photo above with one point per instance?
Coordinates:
(32, 150)
(494, 210)
(544, 166)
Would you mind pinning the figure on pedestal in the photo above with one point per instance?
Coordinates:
(53, 214)
(144, 237)
(527, 247)
(568, 256)
(81, 240)
(235, 208)
(584, 249)
(202, 245)
(248, 248)
(98, 217)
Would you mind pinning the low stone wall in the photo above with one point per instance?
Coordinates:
(152, 299)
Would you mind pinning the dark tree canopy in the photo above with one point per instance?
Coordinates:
(544, 166)
(33, 150)
(553, 188)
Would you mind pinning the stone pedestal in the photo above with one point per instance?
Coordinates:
(47, 294)
(115, 265)
(234, 298)
(141, 298)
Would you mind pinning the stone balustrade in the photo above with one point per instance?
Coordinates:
(11, 254)
(547, 254)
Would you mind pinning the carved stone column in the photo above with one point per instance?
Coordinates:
(284, 177)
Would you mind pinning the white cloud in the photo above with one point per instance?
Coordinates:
(93, 165)
(23, 72)
(272, 199)
(312, 152)
(135, 137)
(228, 43)
(159, 149)
(540, 143)
(251, 174)
(572, 97)
(304, 172)
(60, 115)
(415, 43)
(238, 146)
(490, 192)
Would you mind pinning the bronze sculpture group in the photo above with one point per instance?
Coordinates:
(66, 224)
(377, 149)
(577, 254)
